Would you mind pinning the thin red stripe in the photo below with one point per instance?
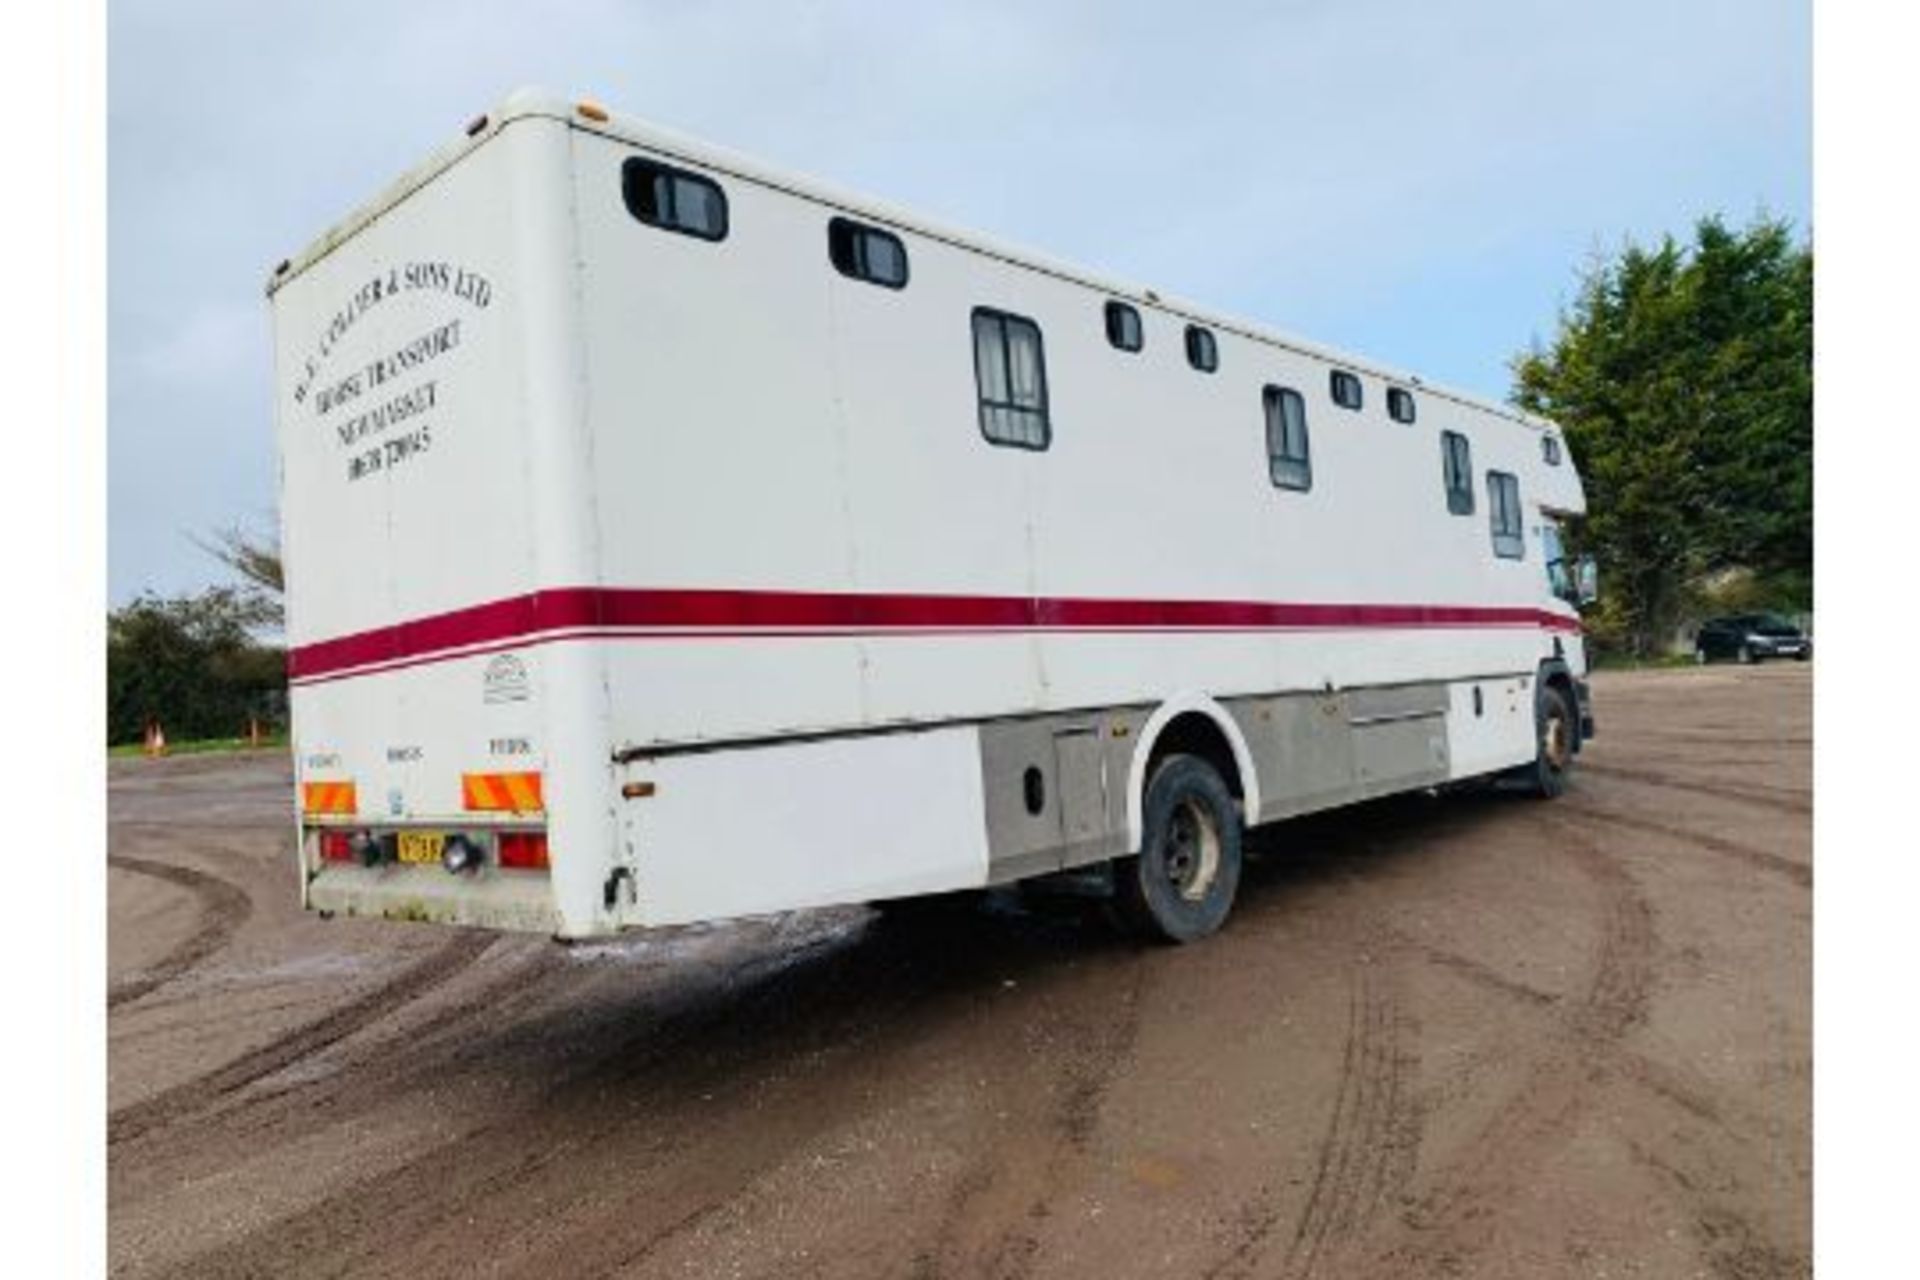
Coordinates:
(593, 611)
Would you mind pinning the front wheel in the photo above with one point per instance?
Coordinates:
(1180, 886)
(1554, 732)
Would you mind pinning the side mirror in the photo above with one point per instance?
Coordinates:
(1586, 577)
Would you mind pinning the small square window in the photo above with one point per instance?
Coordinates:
(1289, 454)
(1123, 327)
(1400, 405)
(1503, 506)
(1456, 472)
(1010, 373)
(1202, 352)
(1346, 389)
(1550, 450)
(867, 253)
(674, 199)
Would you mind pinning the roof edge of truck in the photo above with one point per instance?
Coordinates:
(588, 115)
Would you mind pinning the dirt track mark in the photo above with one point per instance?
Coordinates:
(1778, 798)
(224, 907)
(1458, 1216)
(1371, 1145)
(1736, 1248)
(1798, 872)
(597, 1215)
(278, 1111)
(1482, 975)
(1373, 1140)
(131, 1121)
(1005, 1198)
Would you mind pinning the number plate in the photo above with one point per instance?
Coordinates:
(421, 846)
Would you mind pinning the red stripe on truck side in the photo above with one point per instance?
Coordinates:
(580, 612)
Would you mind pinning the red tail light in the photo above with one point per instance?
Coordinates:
(526, 850)
(337, 846)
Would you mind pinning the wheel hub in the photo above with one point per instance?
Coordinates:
(1553, 741)
(1192, 851)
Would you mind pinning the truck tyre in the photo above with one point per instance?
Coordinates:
(1181, 884)
(1553, 737)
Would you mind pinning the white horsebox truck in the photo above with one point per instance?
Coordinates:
(671, 538)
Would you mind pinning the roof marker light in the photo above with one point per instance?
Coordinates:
(476, 125)
(592, 111)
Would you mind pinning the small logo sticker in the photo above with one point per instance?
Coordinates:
(505, 680)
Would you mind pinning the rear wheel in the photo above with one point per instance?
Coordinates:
(1180, 886)
(1554, 730)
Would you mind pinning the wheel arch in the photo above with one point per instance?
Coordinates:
(1194, 723)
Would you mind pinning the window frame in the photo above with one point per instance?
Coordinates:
(1460, 499)
(1335, 377)
(674, 174)
(1006, 320)
(1203, 334)
(1550, 450)
(1274, 397)
(1496, 482)
(1116, 309)
(1399, 396)
(858, 267)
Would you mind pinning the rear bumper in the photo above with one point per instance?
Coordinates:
(518, 901)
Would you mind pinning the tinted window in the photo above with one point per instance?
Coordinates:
(1123, 327)
(673, 199)
(1550, 450)
(1289, 458)
(1400, 404)
(1202, 352)
(1503, 506)
(1456, 472)
(1346, 389)
(867, 253)
(1010, 371)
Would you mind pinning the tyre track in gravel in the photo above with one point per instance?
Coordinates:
(255, 1113)
(1455, 1219)
(1371, 1146)
(691, 1063)
(1797, 873)
(1782, 799)
(136, 1119)
(224, 907)
(1006, 1197)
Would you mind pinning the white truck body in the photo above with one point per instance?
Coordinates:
(692, 555)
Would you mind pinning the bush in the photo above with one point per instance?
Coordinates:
(191, 663)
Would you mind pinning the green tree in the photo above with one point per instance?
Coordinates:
(191, 663)
(1683, 377)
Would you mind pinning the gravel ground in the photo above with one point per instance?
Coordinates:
(1473, 1035)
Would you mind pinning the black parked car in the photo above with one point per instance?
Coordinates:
(1749, 637)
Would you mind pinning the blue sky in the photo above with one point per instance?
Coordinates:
(1418, 182)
